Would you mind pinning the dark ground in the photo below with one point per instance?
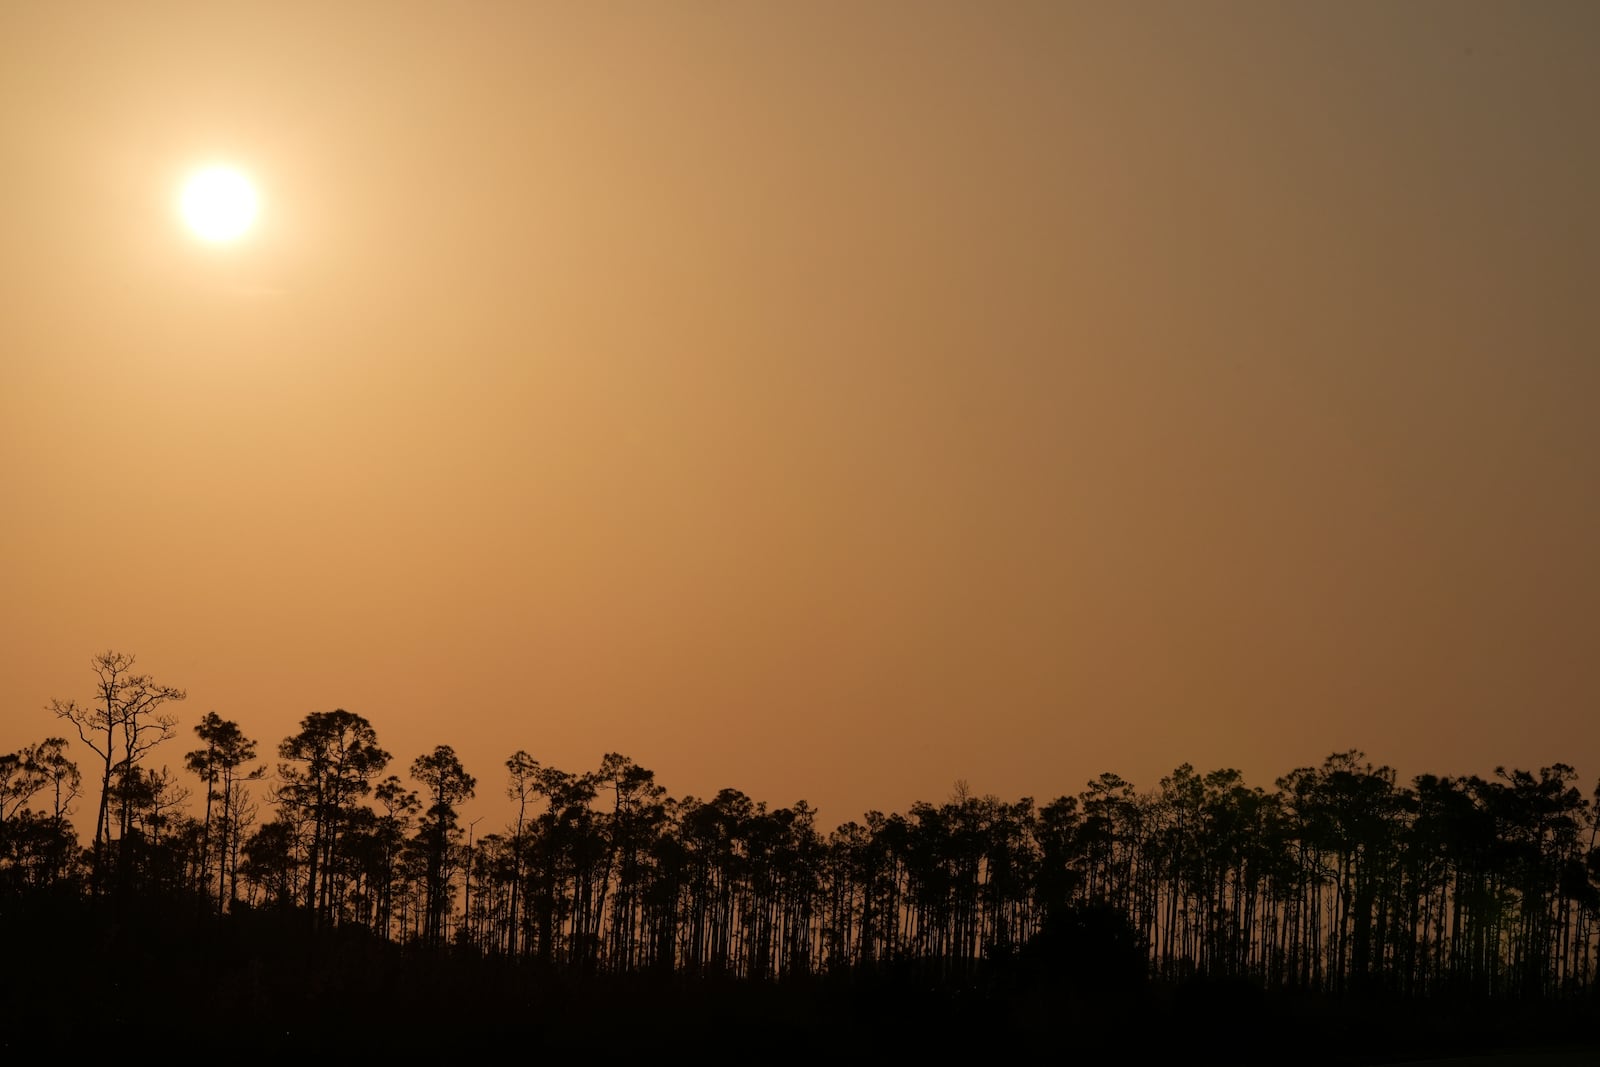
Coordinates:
(256, 989)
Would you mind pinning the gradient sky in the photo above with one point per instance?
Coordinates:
(827, 400)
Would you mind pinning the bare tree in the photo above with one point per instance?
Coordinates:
(121, 726)
(238, 813)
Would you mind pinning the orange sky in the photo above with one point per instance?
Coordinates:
(827, 400)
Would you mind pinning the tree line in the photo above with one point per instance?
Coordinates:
(1339, 879)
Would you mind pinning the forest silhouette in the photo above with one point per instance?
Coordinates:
(308, 891)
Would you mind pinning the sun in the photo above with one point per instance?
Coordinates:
(218, 204)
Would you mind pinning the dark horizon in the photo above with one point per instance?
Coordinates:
(1439, 916)
(293, 826)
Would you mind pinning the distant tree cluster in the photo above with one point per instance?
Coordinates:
(1341, 879)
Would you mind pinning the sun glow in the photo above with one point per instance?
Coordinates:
(218, 204)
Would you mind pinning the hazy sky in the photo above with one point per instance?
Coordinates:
(825, 400)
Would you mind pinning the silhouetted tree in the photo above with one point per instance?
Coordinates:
(34, 769)
(275, 858)
(1340, 880)
(120, 726)
(635, 822)
(326, 768)
(1089, 948)
(521, 787)
(36, 847)
(447, 783)
(226, 749)
(400, 806)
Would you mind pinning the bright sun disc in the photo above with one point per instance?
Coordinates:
(218, 203)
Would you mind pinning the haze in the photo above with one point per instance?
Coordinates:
(831, 401)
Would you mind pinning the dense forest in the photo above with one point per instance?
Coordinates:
(1339, 883)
